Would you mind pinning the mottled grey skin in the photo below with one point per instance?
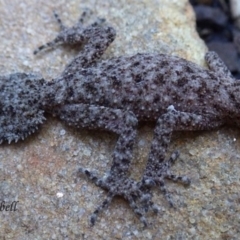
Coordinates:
(20, 105)
(116, 94)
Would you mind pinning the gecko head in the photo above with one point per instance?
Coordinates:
(20, 105)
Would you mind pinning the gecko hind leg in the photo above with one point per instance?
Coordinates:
(139, 200)
(72, 35)
(85, 14)
(93, 39)
(59, 21)
(61, 37)
(117, 181)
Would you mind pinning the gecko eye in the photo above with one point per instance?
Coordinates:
(20, 98)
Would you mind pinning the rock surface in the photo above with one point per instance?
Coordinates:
(41, 172)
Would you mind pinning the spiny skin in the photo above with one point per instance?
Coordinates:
(114, 95)
(20, 112)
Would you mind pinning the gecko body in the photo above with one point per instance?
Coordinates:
(114, 95)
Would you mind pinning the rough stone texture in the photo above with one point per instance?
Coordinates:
(40, 172)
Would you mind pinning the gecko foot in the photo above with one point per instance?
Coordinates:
(155, 176)
(140, 200)
(70, 35)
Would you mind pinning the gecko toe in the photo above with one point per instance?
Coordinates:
(139, 199)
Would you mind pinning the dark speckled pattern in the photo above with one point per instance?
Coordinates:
(20, 99)
(114, 95)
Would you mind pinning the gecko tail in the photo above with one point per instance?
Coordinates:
(20, 101)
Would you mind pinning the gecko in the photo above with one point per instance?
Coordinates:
(115, 95)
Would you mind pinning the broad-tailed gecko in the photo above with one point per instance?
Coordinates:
(115, 95)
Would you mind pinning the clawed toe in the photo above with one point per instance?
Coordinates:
(157, 178)
(139, 199)
(101, 207)
(138, 194)
(181, 179)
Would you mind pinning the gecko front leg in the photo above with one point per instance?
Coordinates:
(216, 64)
(158, 167)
